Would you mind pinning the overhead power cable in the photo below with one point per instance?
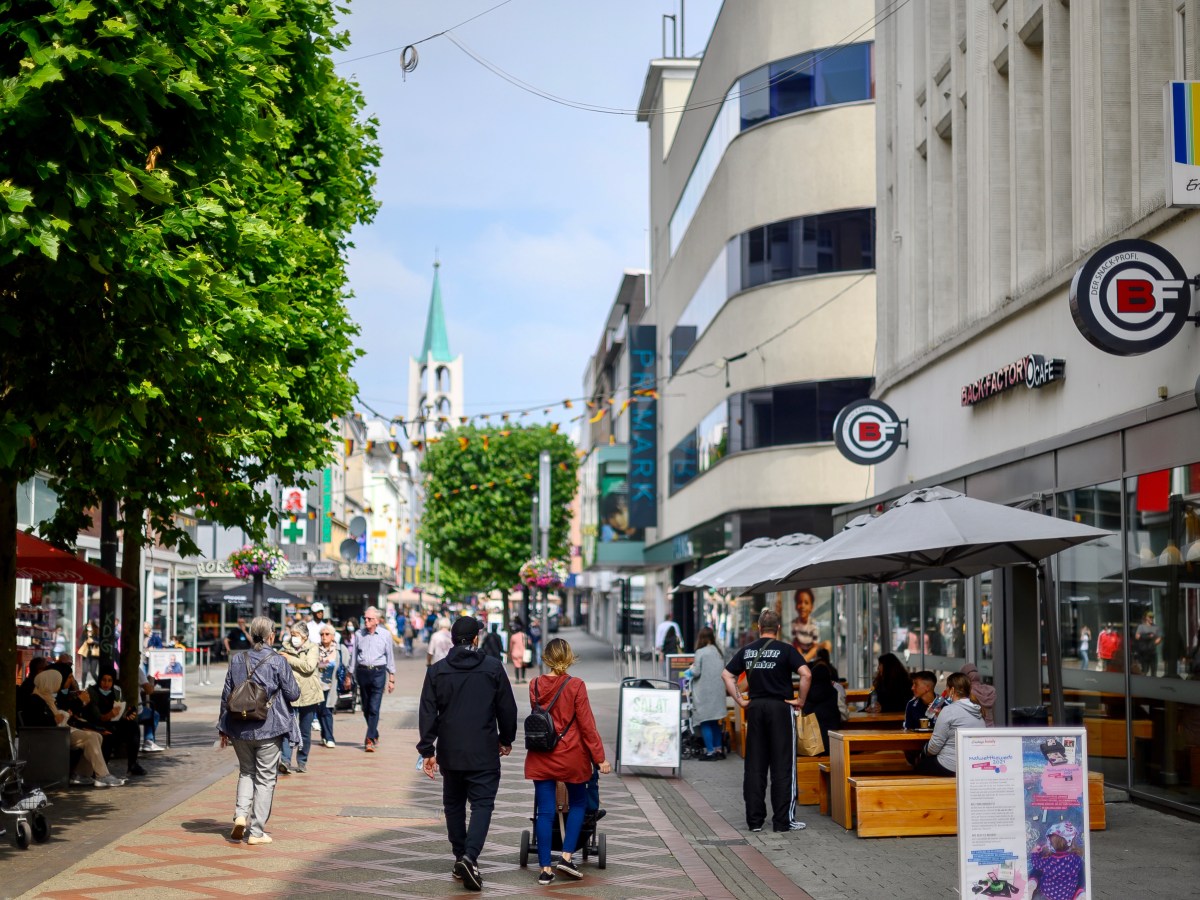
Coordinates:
(406, 47)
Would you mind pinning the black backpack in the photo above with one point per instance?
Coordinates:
(540, 734)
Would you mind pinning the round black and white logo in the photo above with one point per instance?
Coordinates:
(1130, 297)
(867, 432)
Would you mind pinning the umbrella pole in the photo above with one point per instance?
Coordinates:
(1053, 649)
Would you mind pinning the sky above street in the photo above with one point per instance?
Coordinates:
(534, 208)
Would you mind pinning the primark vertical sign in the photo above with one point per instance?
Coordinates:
(643, 427)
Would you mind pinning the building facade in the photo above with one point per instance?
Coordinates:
(762, 298)
(1018, 142)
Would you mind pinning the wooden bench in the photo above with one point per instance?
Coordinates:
(1106, 737)
(905, 806)
(886, 763)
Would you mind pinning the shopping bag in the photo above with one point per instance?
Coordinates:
(808, 737)
(528, 657)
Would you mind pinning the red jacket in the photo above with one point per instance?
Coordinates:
(571, 761)
(1109, 645)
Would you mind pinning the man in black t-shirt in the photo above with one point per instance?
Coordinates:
(770, 722)
(237, 639)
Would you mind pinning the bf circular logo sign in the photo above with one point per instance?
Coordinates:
(1130, 297)
(867, 432)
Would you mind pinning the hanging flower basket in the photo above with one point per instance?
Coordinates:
(258, 559)
(544, 573)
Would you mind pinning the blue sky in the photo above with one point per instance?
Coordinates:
(534, 208)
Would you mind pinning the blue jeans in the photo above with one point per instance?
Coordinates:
(306, 714)
(148, 719)
(713, 739)
(544, 797)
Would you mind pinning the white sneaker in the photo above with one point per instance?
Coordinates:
(79, 779)
(330, 744)
(108, 781)
(151, 747)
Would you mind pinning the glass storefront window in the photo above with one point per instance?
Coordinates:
(1162, 631)
(807, 618)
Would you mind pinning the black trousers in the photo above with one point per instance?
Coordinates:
(770, 749)
(371, 685)
(480, 788)
(123, 735)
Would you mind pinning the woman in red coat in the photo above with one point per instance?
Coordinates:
(579, 747)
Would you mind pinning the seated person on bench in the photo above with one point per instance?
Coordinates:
(940, 755)
(923, 695)
(148, 716)
(41, 711)
(37, 665)
(116, 722)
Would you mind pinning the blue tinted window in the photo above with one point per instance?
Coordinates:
(792, 85)
(801, 413)
(844, 77)
(823, 77)
(755, 97)
(683, 462)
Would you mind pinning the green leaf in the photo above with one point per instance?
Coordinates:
(81, 10)
(16, 198)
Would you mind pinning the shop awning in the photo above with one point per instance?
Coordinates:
(40, 561)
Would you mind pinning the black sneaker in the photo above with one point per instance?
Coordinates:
(467, 872)
(568, 868)
(545, 877)
(456, 871)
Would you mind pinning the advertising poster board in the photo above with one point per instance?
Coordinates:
(648, 728)
(677, 664)
(1023, 813)
(169, 664)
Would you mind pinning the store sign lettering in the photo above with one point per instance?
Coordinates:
(867, 432)
(1033, 371)
(643, 427)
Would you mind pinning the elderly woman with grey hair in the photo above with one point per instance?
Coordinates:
(333, 660)
(258, 744)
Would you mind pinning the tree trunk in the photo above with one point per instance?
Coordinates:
(108, 595)
(131, 604)
(8, 601)
(504, 610)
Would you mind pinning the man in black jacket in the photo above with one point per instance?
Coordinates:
(468, 711)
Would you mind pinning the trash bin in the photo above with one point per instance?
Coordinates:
(1029, 716)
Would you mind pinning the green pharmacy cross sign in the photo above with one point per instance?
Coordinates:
(294, 532)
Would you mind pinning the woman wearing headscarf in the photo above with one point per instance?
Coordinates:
(982, 694)
(258, 743)
(41, 711)
(822, 701)
(303, 656)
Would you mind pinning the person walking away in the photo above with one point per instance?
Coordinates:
(303, 657)
(1145, 644)
(440, 643)
(518, 643)
(333, 660)
(667, 638)
(578, 749)
(492, 645)
(708, 693)
(468, 719)
(535, 642)
(768, 664)
(258, 743)
(983, 695)
(822, 702)
(374, 670)
(1085, 644)
(940, 754)
(404, 623)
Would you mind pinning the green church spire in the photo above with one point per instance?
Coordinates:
(436, 341)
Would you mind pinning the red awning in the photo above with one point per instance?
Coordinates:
(43, 562)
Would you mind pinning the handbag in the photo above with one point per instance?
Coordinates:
(527, 657)
(249, 701)
(808, 736)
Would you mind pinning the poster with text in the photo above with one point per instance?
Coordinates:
(168, 665)
(1023, 813)
(677, 664)
(649, 728)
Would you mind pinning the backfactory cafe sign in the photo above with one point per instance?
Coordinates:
(1032, 371)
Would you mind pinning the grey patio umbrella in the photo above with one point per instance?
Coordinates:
(756, 560)
(936, 533)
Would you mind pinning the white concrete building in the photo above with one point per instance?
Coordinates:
(1017, 142)
(762, 214)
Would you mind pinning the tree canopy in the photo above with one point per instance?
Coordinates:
(178, 182)
(479, 488)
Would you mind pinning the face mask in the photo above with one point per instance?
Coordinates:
(104, 692)
(296, 642)
(353, 629)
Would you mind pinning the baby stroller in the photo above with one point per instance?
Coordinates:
(24, 806)
(591, 841)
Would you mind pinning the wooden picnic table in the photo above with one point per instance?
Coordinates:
(844, 746)
(858, 695)
(880, 721)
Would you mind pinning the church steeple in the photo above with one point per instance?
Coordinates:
(436, 342)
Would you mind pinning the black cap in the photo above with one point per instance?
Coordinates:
(464, 629)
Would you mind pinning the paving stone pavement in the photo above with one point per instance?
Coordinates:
(370, 825)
